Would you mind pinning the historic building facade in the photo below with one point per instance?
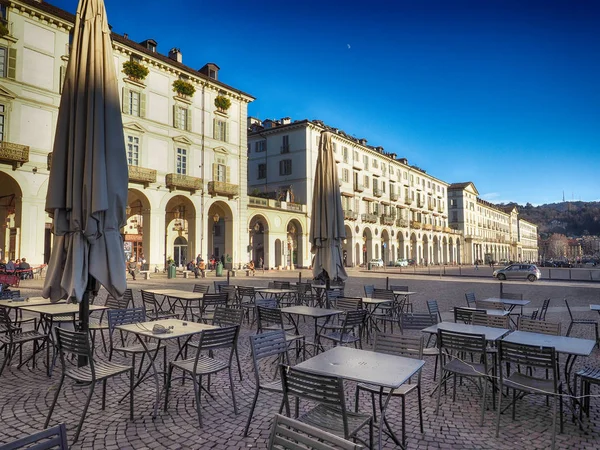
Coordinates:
(186, 150)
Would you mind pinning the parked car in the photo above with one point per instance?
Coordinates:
(515, 271)
(563, 264)
(401, 263)
(376, 262)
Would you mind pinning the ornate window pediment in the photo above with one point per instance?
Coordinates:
(133, 126)
(183, 140)
(5, 93)
(221, 150)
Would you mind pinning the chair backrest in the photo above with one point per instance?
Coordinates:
(434, 309)
(210, 301)
(218, 285)
(491, 320)
(453, 341)
(265, 345)
(354, 318)
(348, 303)
(201, 288)
(465, 315)
(51, 438)
(323, 389)
(544, 310)
(6, 324)
(118, 317)
(224, 317)
(399, 345)
(75, 343)
(270, 302)
(246, 292)
(488, 305)
(291, 434)
(529, 356)
(231, 292)
(470, 297)
(225, 337)
(9, 293)
(369, 288)
(149, 301)
(397, 287)
(539, 326)
(332, 296)
(268, 315)
(117, 303)
(281, 284)
(383, 293)
(511, 296)
(417, 321)
(128, 294)
(534, 314)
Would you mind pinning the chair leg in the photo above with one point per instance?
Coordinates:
(103, 394)
(403, 421)
(85, 408)
(232, 391)
(483, 400)
(237, 357)
(197, 388)
(420, 407)
(131, 385)
(499, 409)
(252, 411)
(168, 386)
(60, 383)
(569, 329)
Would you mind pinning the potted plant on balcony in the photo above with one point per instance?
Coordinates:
(3, 28)
(135, 70)
(222, 103)
(183, 88)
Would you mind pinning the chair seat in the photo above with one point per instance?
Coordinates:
(468, 369)
(103, 370)
(586, 321)
(137, 348)
(589, 373)
(293, 337)
(274, 386)
(278, 327)
(525, 383)
(431, 351)
(20, 338)
(404, 389)
(330, 419)
(342, 338)
(205, 365)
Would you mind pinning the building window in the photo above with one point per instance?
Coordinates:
(262, 171)
(182, 118)
(375, 184)
(133, 150)
(3, 61)
(345, 175)
(181, 162)
(221, 130)
(374, 163)
(134, 102)
(261, 146)
(355, 155)
(285, 167)
(345, 154)
(285, 144)
(2, 121)
(366, 183)
(221, 173)
(366, 161)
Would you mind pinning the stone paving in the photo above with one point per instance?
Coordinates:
(26, 394)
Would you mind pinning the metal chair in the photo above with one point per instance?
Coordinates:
(511, 296)
(201, 288)
(266, 345)
(208, 305)
(14, 337)
(99, 324)
(544, 309)
(434, 309)
(527, 358)
(154, 308)
(330, 414)
(386, 312)
(452, 349)
(281, 284)
(488, 305)
(226, 317)
(470, 297)
(586, 376)
(206, 364)
(290, 434)
(369, 289)
(490, 320)
(539, 326)
(410, 347)
(219, 284)
(304, 295)
(52, 438)
(231, 292)
(581, 321)
(350, 332)
(465, 315)
(246, 299)
(78, 344)
(401, 288)
(272, 319)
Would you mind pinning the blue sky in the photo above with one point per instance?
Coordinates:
(501, 93)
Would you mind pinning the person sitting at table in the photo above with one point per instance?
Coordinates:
(192, 268)
(25, 268)
(251, 267)
(10, 266)
(201, 268)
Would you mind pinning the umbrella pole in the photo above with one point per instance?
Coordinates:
(84, 314)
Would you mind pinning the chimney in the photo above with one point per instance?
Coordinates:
(286, 121)
(403, 161)
(362, 141)
(175, 55)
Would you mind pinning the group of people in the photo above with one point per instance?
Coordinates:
(16, 266)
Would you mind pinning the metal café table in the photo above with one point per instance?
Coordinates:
(279, 293)
(406, 295)
(175, 296)
(491, 333)
(48, 312)
(362, 366)
(18, 303)
(315, 313)
(512, 304)
(572, 347)
(175, 329)
(489, 312)
(372, 304)
(595, 308)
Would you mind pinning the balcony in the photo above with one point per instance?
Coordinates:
(420, 203)
(222, 188)
(440, 209)
(428, 227)
(387, 220)
(174, 181)
(393, 196)
(142, 175)
(403, 223)
(408, 201)
(350, 215)
(449, 230)
(258, 201)
(358, 187)
(369, 218)
(438, 228)
(430, 206)
(377, 192)
(13, 154)
(416, 225)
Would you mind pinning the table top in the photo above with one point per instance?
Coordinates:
(363, 366)
(178, 330)
(489, 312)
(58, 309)
(310, 311)
(595, 307)
(334, 287)
(375, 301)
(404, 292)
(508, 301)
(562, 344)
(28, 301)
(176, 293)
(491, 334)
(276, 290)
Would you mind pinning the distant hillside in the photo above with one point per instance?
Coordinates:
(572, 219)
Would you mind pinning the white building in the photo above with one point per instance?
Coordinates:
(187, 157)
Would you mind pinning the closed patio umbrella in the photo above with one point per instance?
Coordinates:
(87, 190)
(327, 220)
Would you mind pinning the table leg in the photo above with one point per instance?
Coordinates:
(382, 408)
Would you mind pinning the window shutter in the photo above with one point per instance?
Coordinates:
(142, 105)
(12, 63)
(188, 123)
(226, 132)
(227, 172)
(214, 128)
(175, 117)
(125, 101)
(215, 176)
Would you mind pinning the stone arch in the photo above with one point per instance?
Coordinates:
(414, 248)
(347, 246)
(426, 257)
(138, 228)
(367, 238)
(219, 231)
(11, 196)
(259, 229)
(180, 221)
(436, 250)
(294, 246)
(385, 247)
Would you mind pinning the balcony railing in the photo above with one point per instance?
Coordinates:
(408, 201)
(416, 225)
(387, 220)
(258, 201)
(350, 215)
(358, 187)
(402, 223)
(369, 218)
(174, 181)
(222, 188)
(14, 154)
(142, 175)
(428, 227)
(377, 192)
(393, 196)
(437, 228)
(449, 230)
(285, 149)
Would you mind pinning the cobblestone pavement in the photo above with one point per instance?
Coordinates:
(26, 394)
